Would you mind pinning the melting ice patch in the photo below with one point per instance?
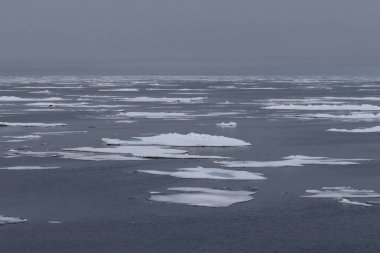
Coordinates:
(205, 197)
(3, 124)
(355, 116)
(164, 99)
(10, 220)
(181, 140)
(358, 130)
(208, 173)
(291, 161)
(343, 194)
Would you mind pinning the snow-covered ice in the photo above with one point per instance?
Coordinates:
(181, 140)
(227, 124)
(28, 168)
(205, 197)
(208, 173)
(10, 220)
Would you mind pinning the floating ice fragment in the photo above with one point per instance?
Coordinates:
(18, 99)
(208, 173)
(325, 107)
(347, 201)
(181, 140)
(204, 197)
(229, 124)
(2, 124)
(9, 220)
(358, 130)
(28, 168)
(291, 161)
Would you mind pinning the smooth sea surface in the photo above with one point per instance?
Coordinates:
(104, 206)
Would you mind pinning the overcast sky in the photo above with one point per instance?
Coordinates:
(186, 37)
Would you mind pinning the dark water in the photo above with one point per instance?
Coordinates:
(103, 206)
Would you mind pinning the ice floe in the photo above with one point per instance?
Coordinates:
(18, 99)
(164, 99)
(324, 107)
(85, 156)
(3, 124)
(355, 116)
(358, 130)
(181, 140)
(10, 220)
(205, 197)
(145, 152)
(227, 124)
(291, 161)
(343, 194)
(28, 168)
(208, 173)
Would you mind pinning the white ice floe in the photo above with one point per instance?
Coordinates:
(227, 124)
(205, 197)
(41, 92)
(61, 133)
(358, 130)
(125, 121)
(18, 99)
(122, 89)
(85, 156)
(164, 99)
(2, 124)
(324, 107)
(355, 116)
(22, 138)
(154, 115)
(181, 140)
(343, 194)
(208, 173)
(55, 222)
(291, 161)
(145, 152)
(28, 168)
(10, 220)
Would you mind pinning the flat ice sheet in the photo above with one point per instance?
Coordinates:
(205, 197)
(291, 161)
(181, 140)
(208, 173)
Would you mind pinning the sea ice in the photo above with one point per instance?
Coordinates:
(204, 197)
(208, 173)
(10, 220)
(28, 168)
(358, 130)
(181, 140)
(291, 161)
(228, 124)
(18, 99)
(2, 124)
(325, 107)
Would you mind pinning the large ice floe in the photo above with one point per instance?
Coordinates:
(205, 197)
(85, 156)
(343, 194)
(145, 152)
(181, 140)
(291, 161)
(324, 107)
(18, 99)
(28, 168)
(164, 99)
(358, 130)
(208, 173)
(10, 220)
(4, 124)
(355, 116)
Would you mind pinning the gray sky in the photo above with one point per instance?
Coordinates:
(190, 37)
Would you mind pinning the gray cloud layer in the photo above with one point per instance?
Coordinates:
(189, 37)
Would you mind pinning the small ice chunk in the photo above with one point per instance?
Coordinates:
(205, 197)
(181, 140)
(208, 173)
(227, 124)
(347, 201)
(18, 99)
(341, 192)
(324, 107)
(55, 222)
